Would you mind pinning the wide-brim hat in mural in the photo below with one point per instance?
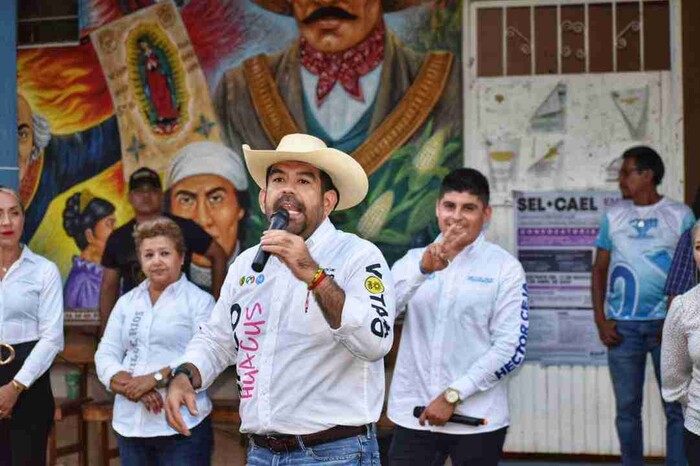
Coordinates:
(347, 174)
(284, 7)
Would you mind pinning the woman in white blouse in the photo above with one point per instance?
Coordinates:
(147, 331)
(31, 334)
(680, 358)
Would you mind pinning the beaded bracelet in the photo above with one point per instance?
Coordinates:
(318, 278)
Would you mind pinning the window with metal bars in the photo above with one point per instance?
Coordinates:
(42, 23)
(553, 37)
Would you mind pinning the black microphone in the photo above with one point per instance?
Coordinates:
(458, 418)
(278, 221)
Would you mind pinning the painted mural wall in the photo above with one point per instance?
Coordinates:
(179, 86)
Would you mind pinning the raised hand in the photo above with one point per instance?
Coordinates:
(292, 251)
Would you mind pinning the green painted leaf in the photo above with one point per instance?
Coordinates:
(393, 237)
(423, 213)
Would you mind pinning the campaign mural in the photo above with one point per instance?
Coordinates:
(179, 86)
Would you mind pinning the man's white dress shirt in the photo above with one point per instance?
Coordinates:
(295, 374)
(465, 328)
(141, 338)
(31, 309)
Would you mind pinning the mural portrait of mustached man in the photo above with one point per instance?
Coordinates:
(347, 78)
(380, 79)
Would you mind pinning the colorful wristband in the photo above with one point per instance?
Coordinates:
(316, 278)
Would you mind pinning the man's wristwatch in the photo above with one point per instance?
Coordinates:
(183, 369)
(451, 396)
(161, 382)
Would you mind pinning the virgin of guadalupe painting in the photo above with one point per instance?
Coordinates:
(158, 86)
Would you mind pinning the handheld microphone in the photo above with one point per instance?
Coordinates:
(278, 221)
(458, 418)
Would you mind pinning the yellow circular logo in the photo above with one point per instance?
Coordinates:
(374, 285)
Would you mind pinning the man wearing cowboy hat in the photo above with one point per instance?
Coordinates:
(308, 334)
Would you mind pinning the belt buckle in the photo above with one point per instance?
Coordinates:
(9, 358)
(276, 444)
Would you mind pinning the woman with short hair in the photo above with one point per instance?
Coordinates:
(31, 335)
(147, 332)
(680, 357)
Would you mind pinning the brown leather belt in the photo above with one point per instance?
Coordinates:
(286, 443)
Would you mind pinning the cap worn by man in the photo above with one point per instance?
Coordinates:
(144, 176)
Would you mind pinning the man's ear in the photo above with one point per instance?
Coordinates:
(330, 201)
(487, 213)
(262, 195)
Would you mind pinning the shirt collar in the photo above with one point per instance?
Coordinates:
(27, 254)
(324, 230)
(175, 286)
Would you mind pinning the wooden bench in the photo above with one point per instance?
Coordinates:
(101, 413)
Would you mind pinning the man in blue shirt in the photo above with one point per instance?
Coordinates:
(635, 246)
(683, 274)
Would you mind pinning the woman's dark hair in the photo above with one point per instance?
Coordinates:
(82, 213)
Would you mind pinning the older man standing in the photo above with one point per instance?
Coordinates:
(634, 247)
(207, 182)
(308, 334)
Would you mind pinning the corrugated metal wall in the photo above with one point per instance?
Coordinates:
(571, 409)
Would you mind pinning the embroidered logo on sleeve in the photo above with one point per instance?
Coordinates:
(374, 285)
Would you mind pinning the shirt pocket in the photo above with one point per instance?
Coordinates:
(474, 304)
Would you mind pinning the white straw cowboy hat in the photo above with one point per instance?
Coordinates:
(347, 174)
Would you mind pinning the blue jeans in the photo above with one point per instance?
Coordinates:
(361, 450)
(627, 362)
(171, 450)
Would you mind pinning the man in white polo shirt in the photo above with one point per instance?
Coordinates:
(465, 330)
(308, 333)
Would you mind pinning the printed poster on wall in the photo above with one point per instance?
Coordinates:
(555, 243)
